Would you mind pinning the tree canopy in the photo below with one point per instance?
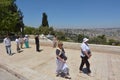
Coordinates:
(44, 20)
(11, 18)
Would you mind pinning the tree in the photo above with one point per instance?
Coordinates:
(51, 31)
(101, 39)
(30, 30)
(44, 30)
(11, 19)
(81, 36)
(113, 42)
(44, 20)
(61, 36)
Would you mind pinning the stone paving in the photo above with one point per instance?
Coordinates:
(32, 65)
(4, 75)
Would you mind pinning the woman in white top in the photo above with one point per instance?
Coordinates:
(62, 68)
(26, 41)
(85, 55)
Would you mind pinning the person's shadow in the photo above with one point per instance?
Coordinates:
(13, 53)
(40, 50)
(20, 51)
(85, 71)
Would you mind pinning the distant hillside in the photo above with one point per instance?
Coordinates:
(110, 33)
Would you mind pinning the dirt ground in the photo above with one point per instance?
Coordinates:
(32, 65)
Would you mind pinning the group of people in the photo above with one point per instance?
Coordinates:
(62, 68)
(19, 43)
(61, 58)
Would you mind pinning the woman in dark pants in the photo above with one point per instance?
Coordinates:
(85, 55)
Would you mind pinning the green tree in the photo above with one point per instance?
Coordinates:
(30, 30)
(113, 42)
(44, 30)
(101, 39)
(81, 36)
(11, 19)
(51, 31)
(61, 36)
(44, 20)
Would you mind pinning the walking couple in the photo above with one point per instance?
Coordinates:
(62, 68)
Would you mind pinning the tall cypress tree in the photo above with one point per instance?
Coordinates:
(44, 20)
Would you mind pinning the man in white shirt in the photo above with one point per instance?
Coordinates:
(85, 55)
(7, 43)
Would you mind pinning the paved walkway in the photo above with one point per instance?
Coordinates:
(4, 75)
(32, 65)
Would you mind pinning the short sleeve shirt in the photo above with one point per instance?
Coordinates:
(17, 41)
(84, 47)
(60, 53)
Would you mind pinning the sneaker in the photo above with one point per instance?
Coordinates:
(67, 77)
(57, 75)
(89, 74)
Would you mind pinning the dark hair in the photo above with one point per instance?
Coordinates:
(17, 36)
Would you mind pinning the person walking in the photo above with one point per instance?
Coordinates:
(21, 42)
(17, 44)
(26, 41)
(37, 43)
(54, 41)
(62, 68)
(7, 43)
(85, 55)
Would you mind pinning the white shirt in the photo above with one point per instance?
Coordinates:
(26, 39)
(21, 40)
(84, 47)
(7, 42)
(17, 41)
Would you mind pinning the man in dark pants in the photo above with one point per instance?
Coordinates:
(85, 55)
(37, 43)
(85, 61)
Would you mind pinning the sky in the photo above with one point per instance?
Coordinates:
(71, 13)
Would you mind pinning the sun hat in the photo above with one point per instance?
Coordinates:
(85, 39)
(26, 35)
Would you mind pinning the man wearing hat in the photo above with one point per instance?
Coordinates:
(85, 55)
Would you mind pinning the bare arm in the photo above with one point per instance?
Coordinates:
(60, 58)
(86, 53)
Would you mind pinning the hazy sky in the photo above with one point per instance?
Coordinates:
(71, 13)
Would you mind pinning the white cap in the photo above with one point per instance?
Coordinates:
(85, 39)
(26, 35)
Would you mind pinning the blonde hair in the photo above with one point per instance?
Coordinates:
(60, 43)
